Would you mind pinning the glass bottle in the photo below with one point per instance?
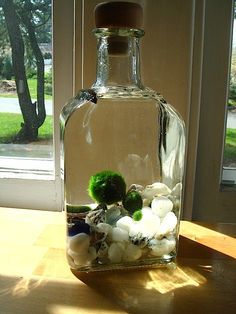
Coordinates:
(122, 157)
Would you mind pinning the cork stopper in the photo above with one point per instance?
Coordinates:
(118, 14)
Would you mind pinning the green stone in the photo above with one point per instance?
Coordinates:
(132, 201)
(77, 208)
(137, 215)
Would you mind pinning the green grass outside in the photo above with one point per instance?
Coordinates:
(10, 124)
(32, 83)
(230, 146)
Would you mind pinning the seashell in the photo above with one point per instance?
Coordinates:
(139, 240)
(146, 202)
(100, 233)
(155, 189)
(136, 187)
(176, 191)
(136, 235)
(161, 206)
(132, 253)
(161, 247)
(119, 235)
(95, 217)
(112, 215)
(102, 251)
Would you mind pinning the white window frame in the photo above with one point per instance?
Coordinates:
(37, 193)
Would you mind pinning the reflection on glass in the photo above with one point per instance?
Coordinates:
(26, 86)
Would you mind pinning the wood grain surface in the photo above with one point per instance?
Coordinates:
(35, 277)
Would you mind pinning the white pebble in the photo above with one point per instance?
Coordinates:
(147, 211)
(149, 224)
(115, 253)
(161, 206)
(72, 254)
(79, 243)
(132, 253)
(84, 258)
(162, 247)
(155, 189)
(168, 224)
(118, 234)
(135, 230)
(81, 260)
(125, 223)
(170, 220)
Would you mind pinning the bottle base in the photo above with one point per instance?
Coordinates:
(164, 261)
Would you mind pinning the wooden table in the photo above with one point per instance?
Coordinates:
(35, 277)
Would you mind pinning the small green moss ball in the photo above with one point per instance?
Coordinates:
(137, 215)
(107, 187)
(132, 201)
(77, 209)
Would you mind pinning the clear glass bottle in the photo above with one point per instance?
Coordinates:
(122, 158)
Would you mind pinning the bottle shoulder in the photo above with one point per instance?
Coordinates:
(145, 93)
(95, 95)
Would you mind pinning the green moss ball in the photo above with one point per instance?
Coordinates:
(132, 201)
(137, 215)
(77, 208)
(107, 187)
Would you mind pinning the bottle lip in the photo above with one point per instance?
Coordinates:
(121, 31)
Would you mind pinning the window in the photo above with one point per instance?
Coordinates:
(26, 122)
(190, 67)
(30, 176)
(211, 202)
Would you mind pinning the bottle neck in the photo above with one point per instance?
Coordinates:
(118, 58)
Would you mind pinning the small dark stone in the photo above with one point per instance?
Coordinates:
(87, 94)
(79, 227)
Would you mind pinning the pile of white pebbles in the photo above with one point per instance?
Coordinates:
(115, 237)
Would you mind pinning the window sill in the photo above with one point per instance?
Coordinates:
(35, 277)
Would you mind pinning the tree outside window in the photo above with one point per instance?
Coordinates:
(25, 69)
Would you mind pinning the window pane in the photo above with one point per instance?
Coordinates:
(229, 161)
(26, 120)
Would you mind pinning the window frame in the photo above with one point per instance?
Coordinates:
(37, 193)
(210, 201)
